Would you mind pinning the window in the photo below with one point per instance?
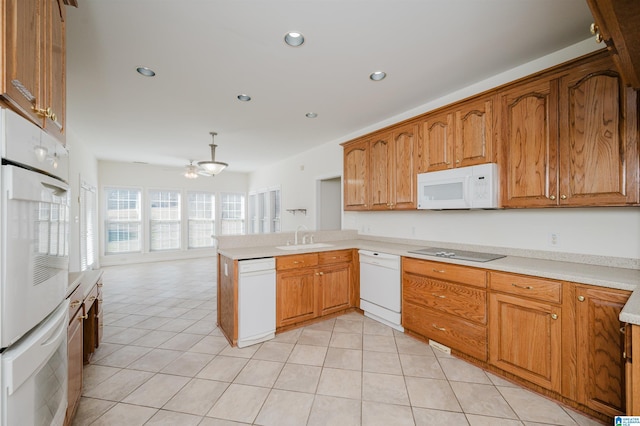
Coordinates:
(164, 220)
(123, 221)
(201, 213)
(87, 220)
(264, 211)
(232, 214)
(274, 209)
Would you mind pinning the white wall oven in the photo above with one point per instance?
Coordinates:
(34, 260)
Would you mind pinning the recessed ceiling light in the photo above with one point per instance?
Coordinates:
(147, 72)
(311, 115)
(244, 98)
(294, 38)
(378, 75)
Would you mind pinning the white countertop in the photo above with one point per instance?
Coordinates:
(598, 275)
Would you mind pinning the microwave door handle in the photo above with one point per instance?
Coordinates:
(468, 184)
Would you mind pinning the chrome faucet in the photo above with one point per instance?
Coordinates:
(296, 234)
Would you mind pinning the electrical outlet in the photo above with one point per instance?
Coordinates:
(554, 239)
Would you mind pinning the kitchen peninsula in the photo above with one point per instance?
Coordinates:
(541, 302)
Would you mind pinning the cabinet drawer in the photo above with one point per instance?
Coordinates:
(456, 333)
(459, 300)
(338, 256)
(535, 288)
(75, 302)
(446, 271)
(296, 261)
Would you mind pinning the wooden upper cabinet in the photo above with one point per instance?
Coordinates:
(34, 72)
(379, 170)
(356, 175)
(458, 137)
(403, 192)
(474, 132)
(598, 137)
(381, 165)
(56, 89)
(618, 25)
(436, 146)
(529, 143)
(22, 85)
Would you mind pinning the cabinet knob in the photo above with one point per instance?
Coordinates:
(563, 197)
(83, 317)
(596, 32)
(553, 197)
(457, 161)
(46, 113)
(321, 273)
(581, 298)
(554, 316)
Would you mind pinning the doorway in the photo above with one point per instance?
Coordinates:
(329, 215)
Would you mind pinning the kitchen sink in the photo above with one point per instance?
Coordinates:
(303, 246)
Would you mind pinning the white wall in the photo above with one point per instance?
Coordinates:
(83, 166)
(145, 177)
(597, 231)
(297, 177)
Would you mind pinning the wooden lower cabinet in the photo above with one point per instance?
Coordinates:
(526, 338)
(313, 285)
(446, 303)
(334, 288)
(601, 349)
(75, 350)
(296, 297)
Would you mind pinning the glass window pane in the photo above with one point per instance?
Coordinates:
(201, 214)
(123, 222)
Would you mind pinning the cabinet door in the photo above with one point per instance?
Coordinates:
(526, 339)
(295, 297)
(617, 22)
(436, 147)
(529, 142)
(75, 364)
(381, 164)
(356, 176)
(55, 44)
(404, 173)
(334, 288)
(23, 35)
(601, 367)
(474, 132)
(598, 137)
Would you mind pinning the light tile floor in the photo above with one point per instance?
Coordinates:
(163, 361)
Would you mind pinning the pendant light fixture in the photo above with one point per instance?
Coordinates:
(213, 167)
(191, 172)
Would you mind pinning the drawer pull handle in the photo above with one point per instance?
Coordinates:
(92, 298)
(75, 304)
(438, 328)
(554, 316)
(99, 285)
(440, 271)
(528, 287)
(295, 262)
(439, 296)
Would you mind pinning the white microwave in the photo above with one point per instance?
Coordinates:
(472, 187)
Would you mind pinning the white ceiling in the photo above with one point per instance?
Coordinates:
(206, 52)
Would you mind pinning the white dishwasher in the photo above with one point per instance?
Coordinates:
(256, 301)
(380, 287)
